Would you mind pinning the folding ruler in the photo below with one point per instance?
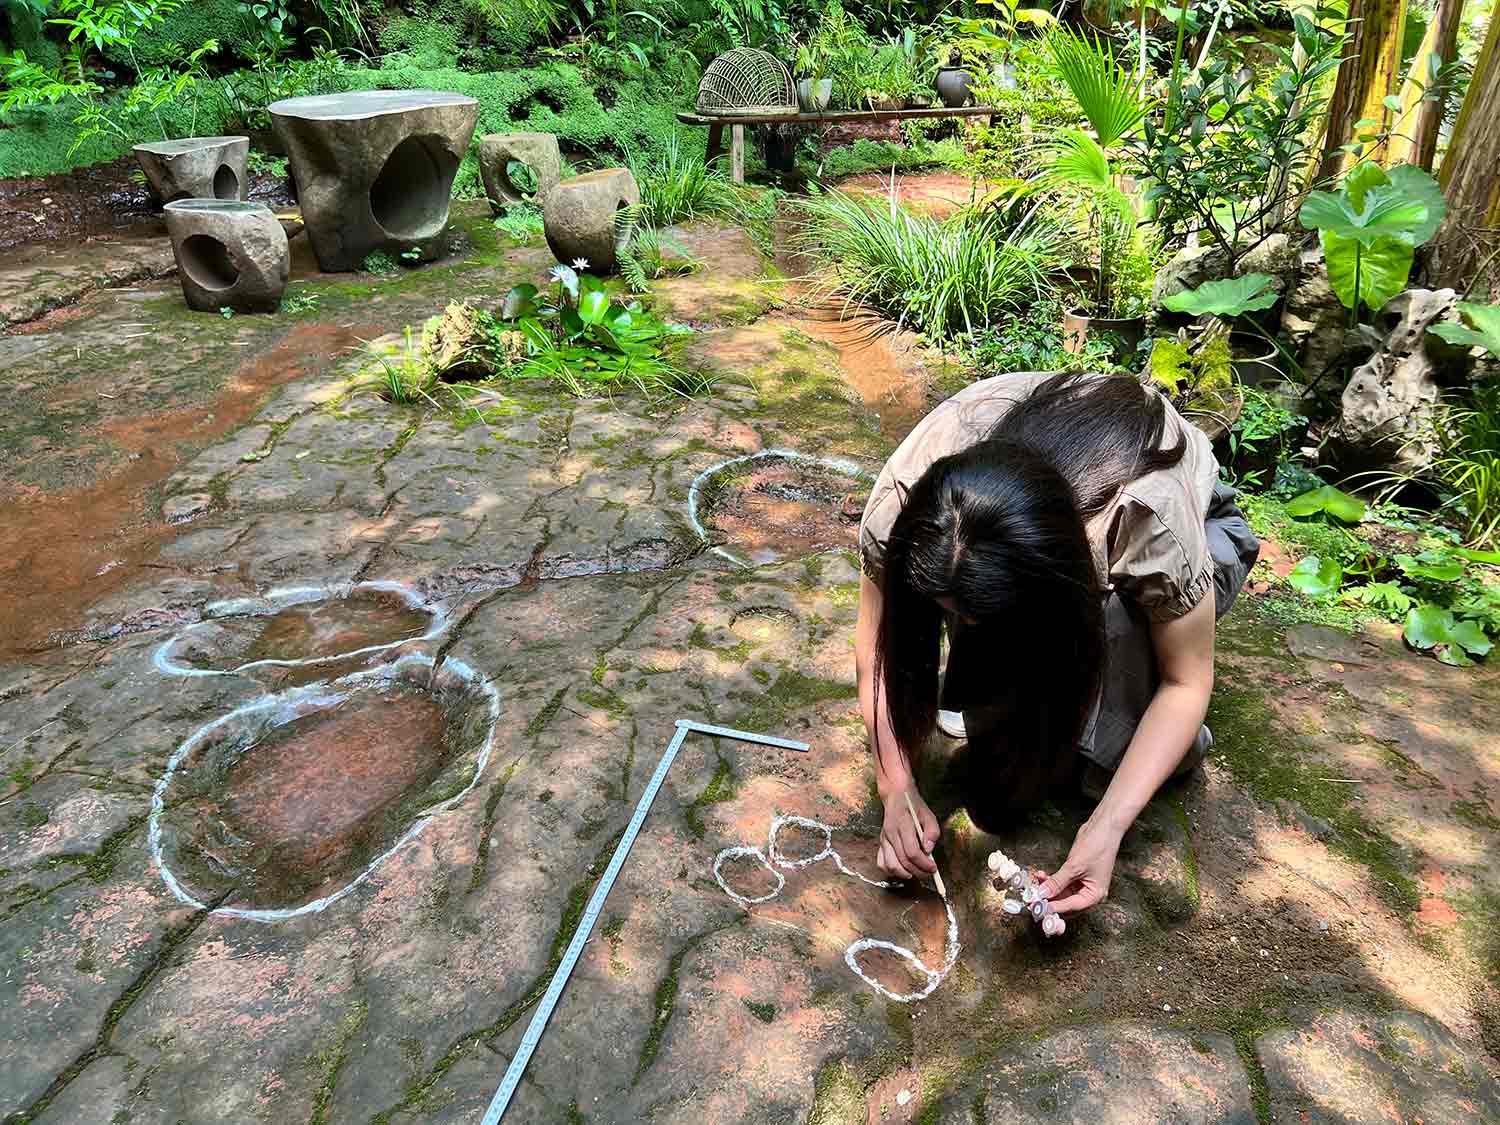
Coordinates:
(538, 1024)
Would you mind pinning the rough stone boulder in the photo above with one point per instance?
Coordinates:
(1386, 412)
(1191, 266)
(1312, 318)
(195, 167)
(375, 168)
(538, 151)
(229, 254)
(581, 217)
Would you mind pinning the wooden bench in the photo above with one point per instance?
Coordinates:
(737, 123)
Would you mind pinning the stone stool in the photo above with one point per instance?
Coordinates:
(374, 169)
(538, 151)
(229, 254)
(196, 167)
(579, 217)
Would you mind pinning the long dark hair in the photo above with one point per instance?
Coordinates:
(998, 530)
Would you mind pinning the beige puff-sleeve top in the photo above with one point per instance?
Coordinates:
(1149, 542)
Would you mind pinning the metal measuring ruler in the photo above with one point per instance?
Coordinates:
(533, 1036)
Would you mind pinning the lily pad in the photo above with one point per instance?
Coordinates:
(1317, 578)
(1429, 564)
(1229, 297)
(1435, 629)
(1330, 501)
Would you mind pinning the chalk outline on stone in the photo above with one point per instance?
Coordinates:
(848, 468)
(285, 598)
(288, 703)
(772, 858)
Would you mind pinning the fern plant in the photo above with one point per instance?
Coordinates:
(643, 261)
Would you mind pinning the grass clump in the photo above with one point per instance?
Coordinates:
(678, 185)
(944, 277)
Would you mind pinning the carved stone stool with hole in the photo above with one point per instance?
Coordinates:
(196, 167)
(538, 151)
(374, 169)
(229, 254)
(581, 217)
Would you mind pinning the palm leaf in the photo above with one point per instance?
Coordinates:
(1102, 87)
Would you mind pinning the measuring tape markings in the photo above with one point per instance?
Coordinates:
(538, 1025)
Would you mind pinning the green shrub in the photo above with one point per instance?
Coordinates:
(35, 141)
(187, 29)
(551, 99)
(421, 41)
(879, 156)
(22, 29)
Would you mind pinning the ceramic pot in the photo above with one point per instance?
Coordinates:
(814, 94)
(1077, 327)
(953, 86)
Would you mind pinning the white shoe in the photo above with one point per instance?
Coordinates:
(951, 723)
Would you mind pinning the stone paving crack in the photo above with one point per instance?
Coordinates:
(572, 913)
(171, 941)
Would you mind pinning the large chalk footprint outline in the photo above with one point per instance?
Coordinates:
(772, 859)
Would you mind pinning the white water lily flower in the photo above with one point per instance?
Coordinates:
(580, 263)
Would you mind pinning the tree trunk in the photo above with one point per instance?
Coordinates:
(1470, 234)
(1370, 72)
(1420, 118)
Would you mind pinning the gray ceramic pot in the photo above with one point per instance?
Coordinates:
(953, 86)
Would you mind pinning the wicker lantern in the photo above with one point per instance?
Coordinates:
(746, 82)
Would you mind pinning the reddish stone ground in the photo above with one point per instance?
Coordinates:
(1304, 931)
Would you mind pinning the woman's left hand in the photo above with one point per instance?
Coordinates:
(1083, 879)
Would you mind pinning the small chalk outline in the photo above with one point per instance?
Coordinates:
(695, 490)
(772, 858)
(284, 598)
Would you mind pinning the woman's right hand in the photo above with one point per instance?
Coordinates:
(902, 852)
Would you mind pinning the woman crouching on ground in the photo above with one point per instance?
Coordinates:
(1069, 537)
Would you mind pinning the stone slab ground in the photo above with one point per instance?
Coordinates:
(1305, 931)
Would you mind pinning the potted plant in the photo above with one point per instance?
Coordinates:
(1079, 162)
(814, 87)
(991, 40)
(1224, 306)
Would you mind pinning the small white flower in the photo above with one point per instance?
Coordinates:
(580, 263)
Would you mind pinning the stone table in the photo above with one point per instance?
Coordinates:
(195, 167)
(374, 169)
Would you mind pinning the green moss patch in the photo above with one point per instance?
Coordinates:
(1274, 764)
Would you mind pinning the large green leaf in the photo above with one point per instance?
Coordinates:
(1329, 500)
(1380, 270)
(1417, 184)
(520, 301)
(1452, 641)
(593, 306)
(1317, 578)
(1483, 330)
(1407, 205)
(1492, 557)
(1232, 296)
(1431, 564)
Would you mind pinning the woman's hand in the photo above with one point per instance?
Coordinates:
(1083, 879)
(902, 852)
